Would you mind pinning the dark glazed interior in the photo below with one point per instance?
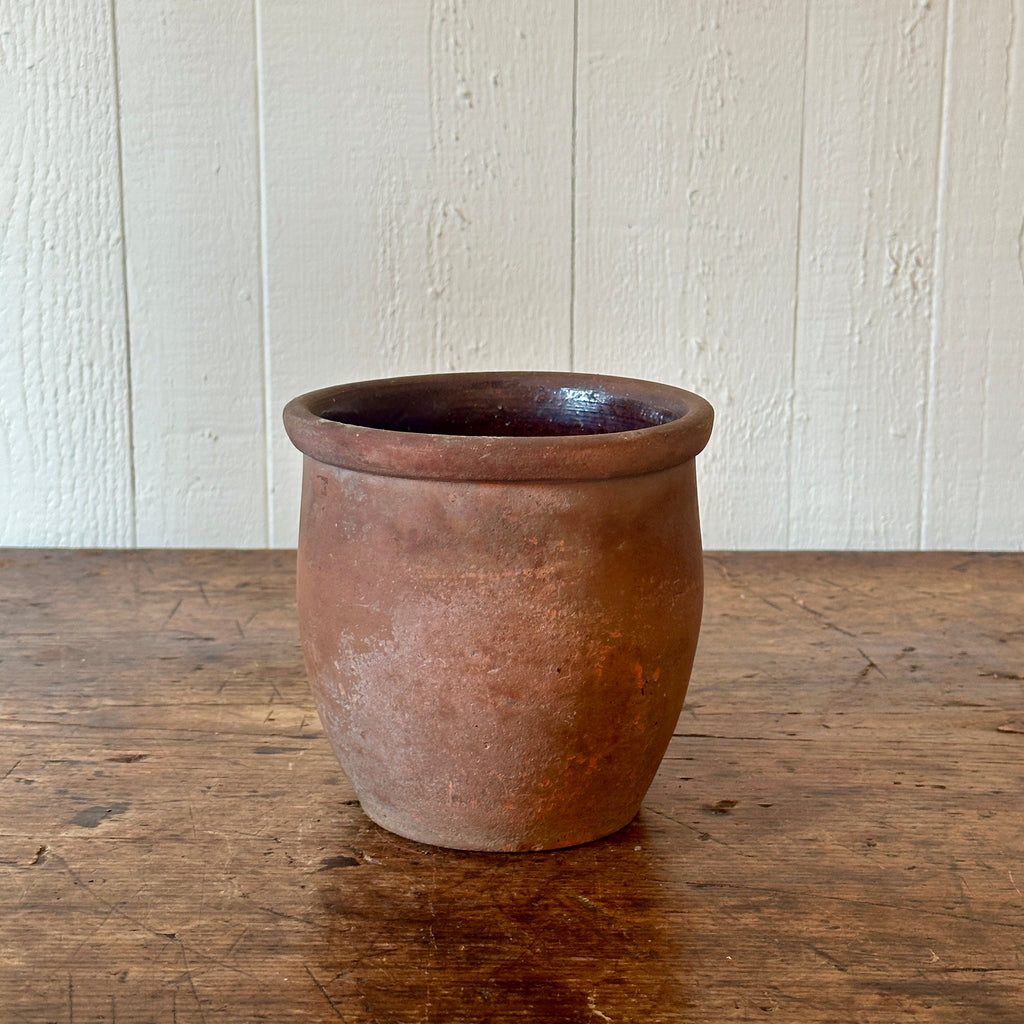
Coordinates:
(490, 412)
(514, 425)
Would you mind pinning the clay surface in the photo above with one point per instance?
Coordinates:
(499, 628)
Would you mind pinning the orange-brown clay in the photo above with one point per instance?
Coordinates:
(499, 590)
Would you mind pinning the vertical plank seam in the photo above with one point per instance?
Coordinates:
(264, 319)
(984, 474)
(133, 536)
(796, 281)
(572, 183)
(927, 454)
(435, 274)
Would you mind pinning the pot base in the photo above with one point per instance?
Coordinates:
(511, 839)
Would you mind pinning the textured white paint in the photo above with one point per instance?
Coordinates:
(810, 211)
(688, 159)
(191, 201)
(974, 496)
(418, 163)
(65, 462)
(871, 143)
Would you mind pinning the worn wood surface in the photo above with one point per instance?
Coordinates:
(835, 833)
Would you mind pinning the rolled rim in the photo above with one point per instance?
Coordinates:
(499, 426)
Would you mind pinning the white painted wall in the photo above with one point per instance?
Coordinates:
(810, 211)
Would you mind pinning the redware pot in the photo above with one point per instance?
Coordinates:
(499, 596)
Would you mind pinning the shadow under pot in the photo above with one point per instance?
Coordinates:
(499, 592)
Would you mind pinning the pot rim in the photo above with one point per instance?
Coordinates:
(679, 427)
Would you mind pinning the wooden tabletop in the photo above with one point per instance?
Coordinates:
(836, 834)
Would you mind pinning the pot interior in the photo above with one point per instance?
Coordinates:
(493, 410)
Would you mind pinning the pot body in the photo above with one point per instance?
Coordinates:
(499, 664)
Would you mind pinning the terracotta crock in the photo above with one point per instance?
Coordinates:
(499, 596)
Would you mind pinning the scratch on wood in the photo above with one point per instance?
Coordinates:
(592, 1007)
(241, 935)
(755, 739)
(827, 958)
(717, 563)
(821, 615)
(174, 611)
(280, 913)
(869, 666)
(188, 976)
(590, 905)
(119, 911)
(702, 835)
(924, 911)
(87, 940)
(323, 992)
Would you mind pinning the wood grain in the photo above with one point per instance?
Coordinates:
(834, 834)
(65, 422)
(192, 224)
